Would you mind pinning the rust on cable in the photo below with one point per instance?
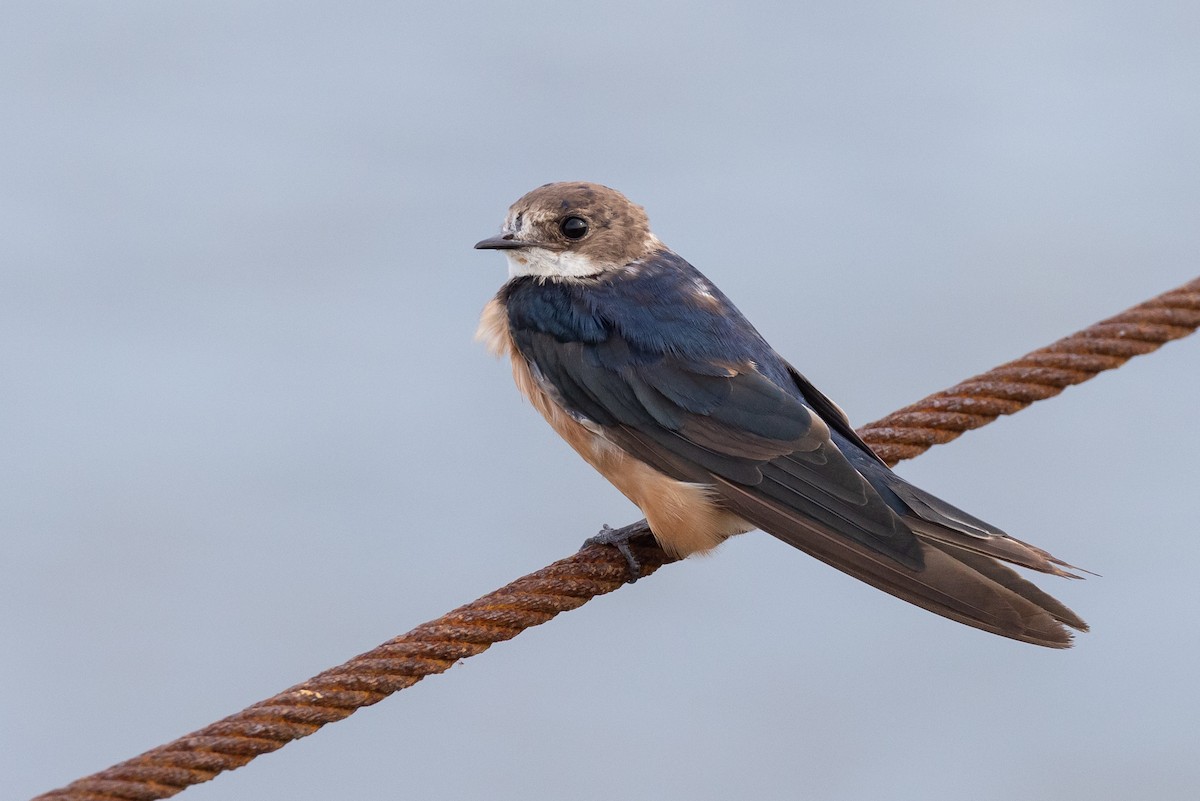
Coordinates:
(569, 583)
(1042, 374)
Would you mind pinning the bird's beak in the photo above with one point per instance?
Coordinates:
(505, 242)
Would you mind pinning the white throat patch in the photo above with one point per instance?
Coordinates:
(551, 264)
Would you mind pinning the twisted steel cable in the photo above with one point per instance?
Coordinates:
(569, 583)
(1009, 388)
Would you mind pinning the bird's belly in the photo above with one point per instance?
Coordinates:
(685, 518)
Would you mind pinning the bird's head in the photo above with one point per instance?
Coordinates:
(573, 230)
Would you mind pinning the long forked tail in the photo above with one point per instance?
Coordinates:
(954, 582)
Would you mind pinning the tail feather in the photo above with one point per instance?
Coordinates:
(1002, 547)
(954, 582)
(1011, 580)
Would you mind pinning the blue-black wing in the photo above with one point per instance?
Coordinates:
(710, 422)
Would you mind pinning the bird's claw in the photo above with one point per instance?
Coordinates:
(619, 538)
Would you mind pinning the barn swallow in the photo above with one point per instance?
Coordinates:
(656, 379)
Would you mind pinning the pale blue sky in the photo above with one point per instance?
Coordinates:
(245, 433)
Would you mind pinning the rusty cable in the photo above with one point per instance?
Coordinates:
(1009, 388)
(569, 583)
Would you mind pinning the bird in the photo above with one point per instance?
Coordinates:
(653, 376)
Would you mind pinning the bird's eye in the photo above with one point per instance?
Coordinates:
(573, 227)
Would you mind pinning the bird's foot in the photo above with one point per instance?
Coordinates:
(619, 538)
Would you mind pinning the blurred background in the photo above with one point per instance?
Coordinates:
(245, 432)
